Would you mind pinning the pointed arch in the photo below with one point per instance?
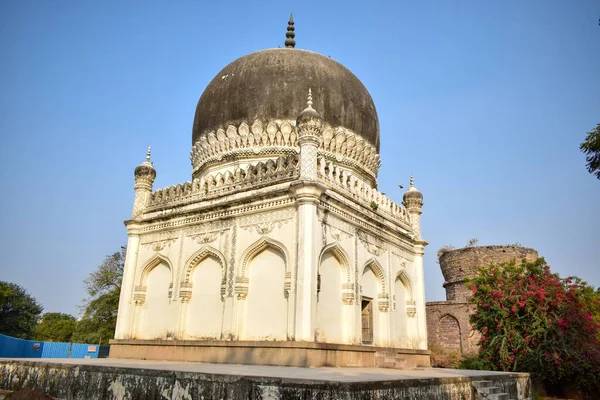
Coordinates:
(151, 264)
(340, 255)
(205, 252)
(374, 266)
(403, 277)
(257, 247)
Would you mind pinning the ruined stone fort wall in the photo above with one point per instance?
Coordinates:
(459, 264)
(448, 321)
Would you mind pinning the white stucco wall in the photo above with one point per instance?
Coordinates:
(331, 327)
(265, 307)
(205, 309)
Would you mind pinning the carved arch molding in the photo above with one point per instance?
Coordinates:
(139, 291)
(383, 300)
(185, 286)
(242, 282)
(341, 256)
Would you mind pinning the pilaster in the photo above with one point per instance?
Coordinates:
(307, 196)
(126, 302)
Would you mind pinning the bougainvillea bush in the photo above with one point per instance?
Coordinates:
(532, 320)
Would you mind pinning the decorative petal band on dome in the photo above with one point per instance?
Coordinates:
(280, 137)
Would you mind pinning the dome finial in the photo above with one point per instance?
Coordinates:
(412, 181)
(309, 102)
(148, 154)
(290, 35)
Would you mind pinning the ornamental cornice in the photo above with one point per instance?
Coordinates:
(198, 219)
(374, 230)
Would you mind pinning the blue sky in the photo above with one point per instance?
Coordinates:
(485, 102)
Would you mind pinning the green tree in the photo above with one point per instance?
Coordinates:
(532, 320)
(19, 311)
(103, 287)
(55, 327)
(591, 148)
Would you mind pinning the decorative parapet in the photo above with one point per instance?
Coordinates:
(279, 137)
(344, 181)
(262, 173)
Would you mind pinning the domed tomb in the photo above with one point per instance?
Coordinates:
(272, 84)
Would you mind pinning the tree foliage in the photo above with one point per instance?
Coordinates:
(591, 148)
(19, 311)
(55, 327)
(103, 287)
(531, 320)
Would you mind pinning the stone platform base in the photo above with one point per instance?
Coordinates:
(91, 379)
(294, 354)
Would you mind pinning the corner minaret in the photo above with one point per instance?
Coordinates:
(413, 201)
(290, 35)
(144, 178)
(309, 125)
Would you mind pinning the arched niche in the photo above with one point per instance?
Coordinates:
(202, 287)
(374, 300)
(154, 319)
(262, 290)
(333, 284)
(450, 333)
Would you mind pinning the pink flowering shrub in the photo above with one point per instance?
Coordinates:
(532, 320)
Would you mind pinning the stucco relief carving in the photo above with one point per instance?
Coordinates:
(206, 237)
(337, 229)
(264, 223)
(158, 242)
(373, 244)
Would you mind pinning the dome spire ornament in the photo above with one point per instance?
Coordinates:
(290, 35)
(148, 154)
(309, 102)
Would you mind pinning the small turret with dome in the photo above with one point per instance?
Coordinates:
(144, 179)
(413, 201)
(145, 173)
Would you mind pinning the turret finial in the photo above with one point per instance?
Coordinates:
(412, 181)
(290, 35)
(148, 154)
(309, 102)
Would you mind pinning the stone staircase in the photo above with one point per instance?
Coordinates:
(485, 390)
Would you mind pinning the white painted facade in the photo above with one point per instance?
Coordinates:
(287, 242)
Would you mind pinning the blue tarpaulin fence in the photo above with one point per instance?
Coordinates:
(11, 347)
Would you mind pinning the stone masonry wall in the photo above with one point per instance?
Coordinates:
(462, 263)
(448, 321)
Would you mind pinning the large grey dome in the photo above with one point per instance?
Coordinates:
(273, 83)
